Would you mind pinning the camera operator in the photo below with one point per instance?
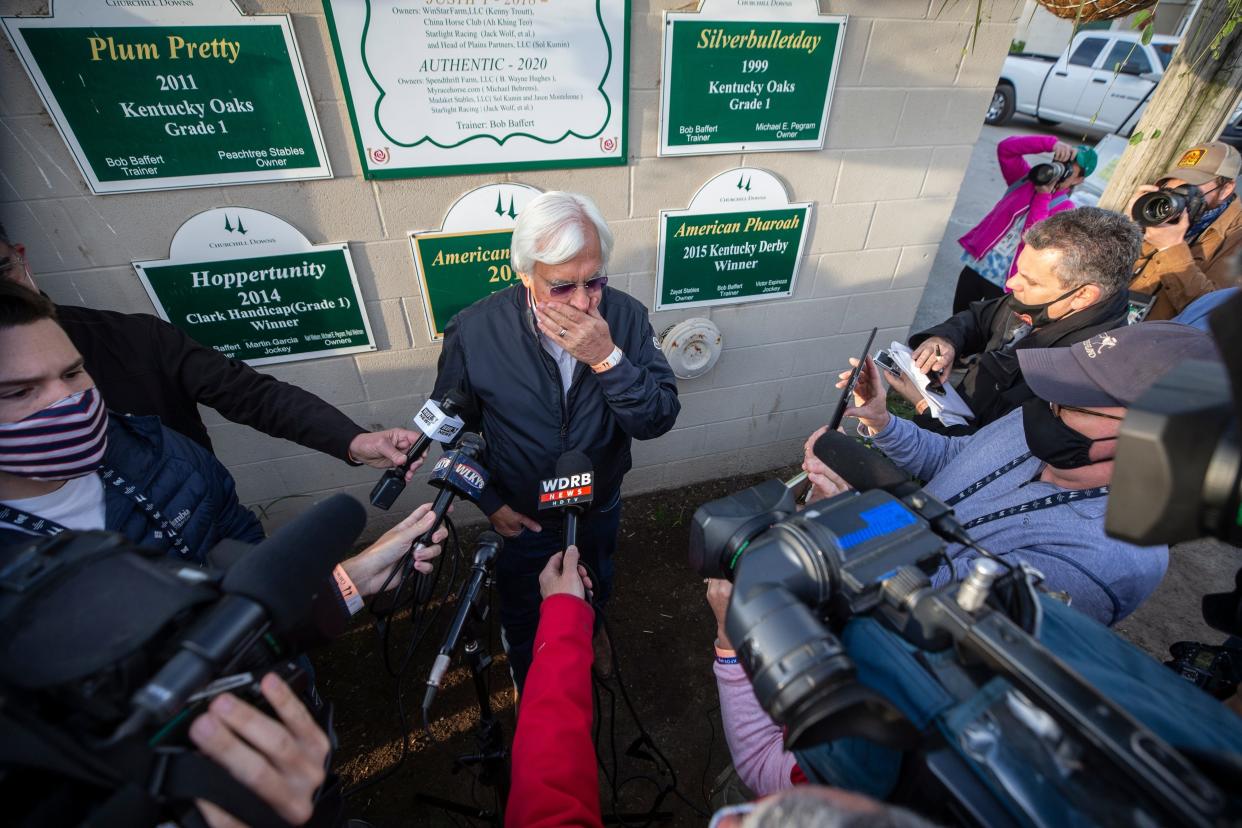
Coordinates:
(771, 773)
(146, 366)
(1069, 285)
(991, 247)
(1188, 255)
(1033, 485)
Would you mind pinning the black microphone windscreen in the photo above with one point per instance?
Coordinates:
(284, 572)
(472, 443)
(490, 538)
(571, 463)
(455, 400)
(861, 467)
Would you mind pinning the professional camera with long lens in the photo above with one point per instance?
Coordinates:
(977, 696)
(1166, 204)
(109, 651)
(1051, 172)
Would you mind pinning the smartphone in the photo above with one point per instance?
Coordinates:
(844, 402)
(885, 360)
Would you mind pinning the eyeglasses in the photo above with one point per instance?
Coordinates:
(593, 285)
(1057, 408)
(12, 265)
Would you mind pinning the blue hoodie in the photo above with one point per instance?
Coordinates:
(1106, 578)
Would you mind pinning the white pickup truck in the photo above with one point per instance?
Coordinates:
(1082, 87)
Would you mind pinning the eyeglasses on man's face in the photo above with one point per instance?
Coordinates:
(593, 285)
(1057, 408)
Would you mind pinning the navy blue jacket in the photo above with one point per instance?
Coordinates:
(493, 355)
(183, 480)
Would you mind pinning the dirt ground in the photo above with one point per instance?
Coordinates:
(662, 632)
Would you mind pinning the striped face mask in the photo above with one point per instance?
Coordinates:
(65, 440)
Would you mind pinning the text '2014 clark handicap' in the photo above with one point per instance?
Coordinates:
(155, 106)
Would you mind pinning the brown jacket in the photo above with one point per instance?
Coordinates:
(1182, 273)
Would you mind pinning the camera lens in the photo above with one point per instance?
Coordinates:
(798, 669)
(1042, 174)
(1152, 209)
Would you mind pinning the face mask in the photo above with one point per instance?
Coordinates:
(1053, 441)
(63, 441)
(1038, 313)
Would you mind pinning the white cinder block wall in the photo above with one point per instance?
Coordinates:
(908, 106)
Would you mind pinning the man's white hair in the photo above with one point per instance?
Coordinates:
(553, 229)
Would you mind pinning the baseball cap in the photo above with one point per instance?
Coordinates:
(1087, 159)
(1202, 163)
(1113, 368)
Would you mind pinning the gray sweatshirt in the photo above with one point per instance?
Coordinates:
(1106, 578)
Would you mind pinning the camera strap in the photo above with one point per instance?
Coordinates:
(26, 522)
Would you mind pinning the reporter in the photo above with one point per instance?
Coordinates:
(554, 780)
(1033, 485)
(143, 365)
(283, 761)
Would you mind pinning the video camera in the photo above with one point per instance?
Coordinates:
(987, 698)
(108, 652)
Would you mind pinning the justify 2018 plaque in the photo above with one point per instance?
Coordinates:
(740, 240)
(439, 88)
(747, 76)
(160, 96)
(253, 287)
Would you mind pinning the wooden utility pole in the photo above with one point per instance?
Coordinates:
(1197, 93)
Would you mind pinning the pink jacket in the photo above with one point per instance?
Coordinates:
(1038, 206)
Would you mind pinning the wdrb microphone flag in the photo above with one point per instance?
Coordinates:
(436, 424)
(570, 490)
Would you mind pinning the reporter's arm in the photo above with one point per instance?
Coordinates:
(555, 781)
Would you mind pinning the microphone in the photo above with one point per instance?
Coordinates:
(486, 551)
(458, 473)
(271, 588)
(864, 469)
(436, 422)
(571, 489)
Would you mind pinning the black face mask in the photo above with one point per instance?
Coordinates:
(1038, 313)
(1053, 441)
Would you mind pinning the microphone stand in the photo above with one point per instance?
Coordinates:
(491, 756)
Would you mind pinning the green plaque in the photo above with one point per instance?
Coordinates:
(443, 87)
(469, 257)
(162, 97)
(740, 82)
(740, 241)
(251, 286)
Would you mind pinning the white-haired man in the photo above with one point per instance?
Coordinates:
(559, 363)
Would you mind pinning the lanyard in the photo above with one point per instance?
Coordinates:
(1031, 505)
(36, 525)
(1040, 503)
(983, 481)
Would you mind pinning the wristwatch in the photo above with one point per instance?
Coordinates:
(609, 361)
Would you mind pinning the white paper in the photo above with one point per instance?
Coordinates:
(948, 408)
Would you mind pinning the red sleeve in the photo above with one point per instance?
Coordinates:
(555, 781)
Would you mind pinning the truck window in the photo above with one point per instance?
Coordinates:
(1164, 51)
(1128, 56)
(1087, 51)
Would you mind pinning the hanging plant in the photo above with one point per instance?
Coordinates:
(1088, 11)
